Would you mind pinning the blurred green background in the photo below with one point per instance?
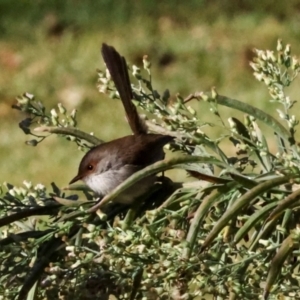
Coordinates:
(51, 49)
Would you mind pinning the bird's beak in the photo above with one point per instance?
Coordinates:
(76, 178)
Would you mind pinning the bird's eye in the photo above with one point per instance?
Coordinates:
(90, 167)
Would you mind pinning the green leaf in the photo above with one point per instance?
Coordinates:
(155, 168)
(285, 203)
(259, 215)
(239, 204)
(201, 212)
(277, 262)
(258, 114)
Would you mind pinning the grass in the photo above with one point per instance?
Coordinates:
(51, 50)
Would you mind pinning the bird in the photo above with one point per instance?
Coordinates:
(107, 165)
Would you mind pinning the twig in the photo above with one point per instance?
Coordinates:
(70, 131)
(159, 129)
(195, 95)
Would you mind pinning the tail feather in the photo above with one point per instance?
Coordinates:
(117, 66)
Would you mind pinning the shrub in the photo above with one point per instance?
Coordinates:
(230, 233)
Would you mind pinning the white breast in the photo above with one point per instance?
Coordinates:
(105, 182)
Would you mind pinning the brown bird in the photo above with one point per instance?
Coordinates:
(107, 165)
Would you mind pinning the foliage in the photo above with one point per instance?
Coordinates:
(230, 233)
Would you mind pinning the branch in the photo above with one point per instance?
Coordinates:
(70, 131)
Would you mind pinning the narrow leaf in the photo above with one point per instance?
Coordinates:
(277, 262)
(201, 212)
(157, 167)
(259, 215)
(258, 114)
(239, 204)
(284, 204)
(68, 202)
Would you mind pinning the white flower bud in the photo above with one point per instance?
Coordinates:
(40, 187)
(191, 110)
(281, 114)
(73, 113)
(146, 62)
(28, 184)
(287, 50)
(258, 76)
(61, 108)
(54, 113)
(279, 45)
